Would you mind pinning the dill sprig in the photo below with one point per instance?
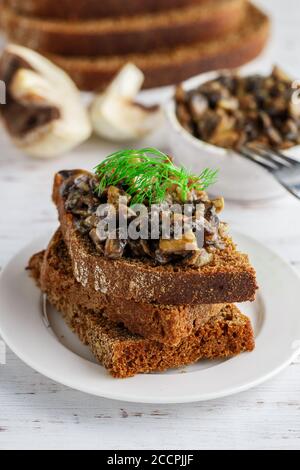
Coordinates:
(148, 174)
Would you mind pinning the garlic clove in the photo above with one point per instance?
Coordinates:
(116, 116)
(44, 114)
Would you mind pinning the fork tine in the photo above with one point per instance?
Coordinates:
(286, 175)
(272, 157)
(290, 160)
(295, 191)
(258, 159)
(278, 156)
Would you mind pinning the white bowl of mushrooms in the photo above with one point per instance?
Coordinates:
(239, 179)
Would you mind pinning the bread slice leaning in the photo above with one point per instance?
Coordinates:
(137, 34)
(229, 278)
(125, 354)
(167, 324)
(83, 9)
(176, 64)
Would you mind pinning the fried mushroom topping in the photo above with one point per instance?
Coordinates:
(194, 246)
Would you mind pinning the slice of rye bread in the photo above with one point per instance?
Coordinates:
(136, 34)
(177, 64)
(125, 354)
(228, 278)
(84, 9)
(163, 323)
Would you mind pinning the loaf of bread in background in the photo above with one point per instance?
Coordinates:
(136, 34)
(83, 9)
(177, 64)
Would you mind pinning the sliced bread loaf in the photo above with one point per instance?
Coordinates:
(82, 9)
(176, 64)
(163, 323)
(124, 354)
(136, 34)
(228, 278)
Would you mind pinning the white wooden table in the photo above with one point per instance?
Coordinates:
(38, 413)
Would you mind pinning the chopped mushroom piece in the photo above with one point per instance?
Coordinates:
(114, 248)
(199, 258)
(198, 104)
(116, 195)
(187, 242)
(218, 204)
(223, 229)
(140, 248)
(97, 242)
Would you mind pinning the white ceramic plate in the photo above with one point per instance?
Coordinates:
(55, 352)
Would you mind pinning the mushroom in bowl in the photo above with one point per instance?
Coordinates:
(212, 115)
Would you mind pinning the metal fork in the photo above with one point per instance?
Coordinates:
(285, 169)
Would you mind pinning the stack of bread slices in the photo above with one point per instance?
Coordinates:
(138, 317)
(169, 40)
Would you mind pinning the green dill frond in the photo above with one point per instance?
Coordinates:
(148, 174)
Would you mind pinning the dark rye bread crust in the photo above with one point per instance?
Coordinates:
(83, 9)
(163, 323)
(177, 64)
(137, 34)
(125, 354)
(228, 278)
